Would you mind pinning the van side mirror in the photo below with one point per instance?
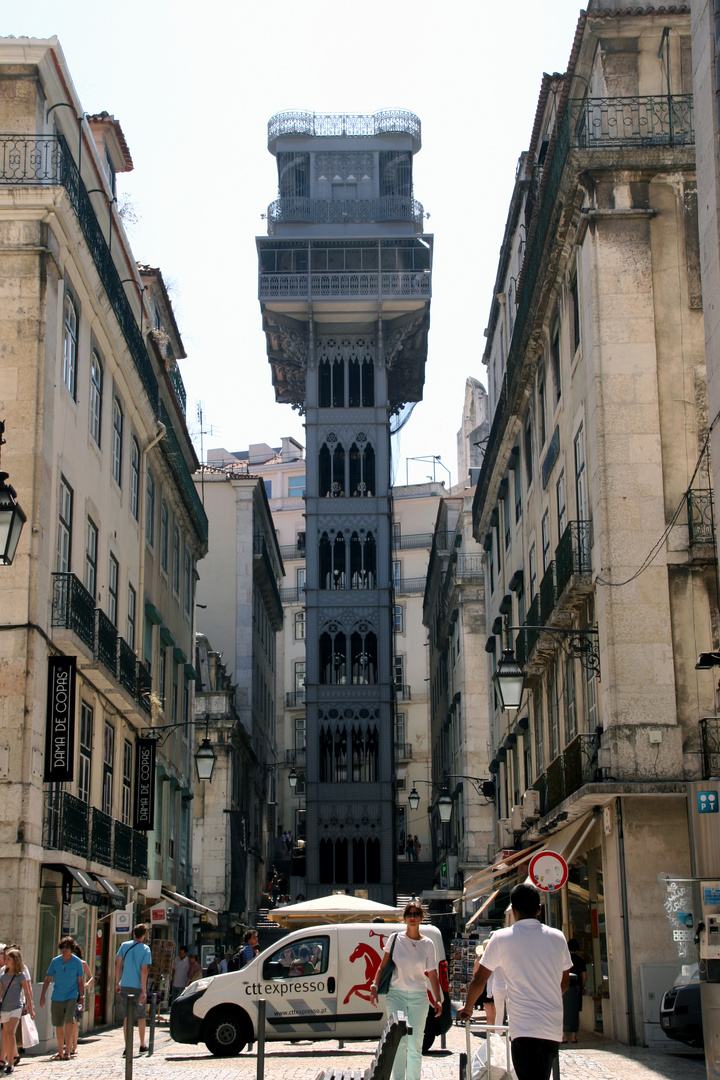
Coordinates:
(273, 970)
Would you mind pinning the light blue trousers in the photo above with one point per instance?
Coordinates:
(415, 1004)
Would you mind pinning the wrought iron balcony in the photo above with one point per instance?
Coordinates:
(144, 687)
(139, 854)
(572, 555)
(710, 737)
(532, 620)
(344, 211)
(555, 783)
(292, 551)
(272, 571)
(581, 762)
(127, 668)
(540, 786)
(294, 699)
(347, 285)
(347, 125)
(469, 568)
(403, 751)
(635, 121)
(122, 847)
(107, 643)
(296, 757)
(547, 593)
(292, 596)
(183, 477)
(176, 381)
(412, 540)
(73, 608)
(100, 836)
(407, 586)
(66, 825)
(701, 522)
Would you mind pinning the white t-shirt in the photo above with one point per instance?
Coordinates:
(180, 970)
(412, 959)
(533, 958)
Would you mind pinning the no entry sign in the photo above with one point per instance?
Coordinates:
(548, 871)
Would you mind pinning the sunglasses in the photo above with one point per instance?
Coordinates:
(414, 915)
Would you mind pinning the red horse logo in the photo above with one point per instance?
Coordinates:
(372, 959)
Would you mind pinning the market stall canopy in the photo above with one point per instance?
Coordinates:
(340, 908)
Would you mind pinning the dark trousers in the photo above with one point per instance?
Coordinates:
(533, 1058)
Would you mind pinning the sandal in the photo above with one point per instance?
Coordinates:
(57, 1057)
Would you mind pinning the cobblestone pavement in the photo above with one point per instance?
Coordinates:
(100, 1058)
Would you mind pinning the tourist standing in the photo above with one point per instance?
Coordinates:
(132, 964)
(180, 967)
(66, 974)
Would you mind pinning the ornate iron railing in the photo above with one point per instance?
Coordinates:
(540, 786)
(347, 285)
(348, 125)
(443, 540)
(127, 675)
(710, 737)
(292, 551)
(101, 836)
(572, 555)
(469, 568)
(292, 596)
(122, 847)
(345, 211)
(412, 540)
(30, 159)
(409, 585)
(532, 620)
(144, 687)
(634, 121)
(176, 381)
(555, 783)
(106, 642)
(66, 823)
(73, 608)
(139, 855)
(701, 522)
(581, 762)
(547, 593)
(294, 699)
(183, 476)
(296, 757)
(260, 548)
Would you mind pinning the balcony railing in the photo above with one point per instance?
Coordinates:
(540, 786)
(402, 693)
(71, 825)
(406, 586)
(547, 593)
(122, 846)
(701, 523)
(144, 687)
(403, 751)
(343, 285)
(139, 855)
(66, 823)
(292, 596)
(635, 121)
(469, 568)
(412, 540)
(532, 620)
(183, 477)
(296, 757)
(292, 551)
(572, 555)
(346, 125)
(294, 699)
(710, 737)
(260, 548)
(344, 211)
(555, 783)
(73, 608)
(176, 381)
(100, 836)
(107, 643)
(581, 762)
(127, 672)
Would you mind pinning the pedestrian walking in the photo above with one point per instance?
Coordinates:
(88, 979)
(410, 849)
(536, 964)
(415, 962)
(250, 948)
(180, 966)
(66, 974)
(573, 996)
(416, 848)
(16, 989)
(132, 963)
(223, 965)
(194, 969)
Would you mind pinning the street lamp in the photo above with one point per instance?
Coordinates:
(484, 787)
(509, 679)
(205, 758)
(12, 516)
(445, 806)
(293, 778)
(414, 798)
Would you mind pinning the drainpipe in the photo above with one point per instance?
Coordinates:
(140, 638)
(626, 923)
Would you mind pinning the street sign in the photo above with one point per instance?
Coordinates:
(548, 871)
(707, 802)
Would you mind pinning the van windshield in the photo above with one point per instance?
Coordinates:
(308, 956)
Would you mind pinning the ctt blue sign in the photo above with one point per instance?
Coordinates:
(707, 802)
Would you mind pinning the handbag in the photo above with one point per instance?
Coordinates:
(384, 983)
(30, 1035)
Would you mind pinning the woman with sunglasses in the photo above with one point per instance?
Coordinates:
(415, 963)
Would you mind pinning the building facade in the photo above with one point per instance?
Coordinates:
(97, 608)
(589, 503)
(344, 288)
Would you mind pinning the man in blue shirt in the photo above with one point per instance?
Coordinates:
(131, 972)
(67, 972)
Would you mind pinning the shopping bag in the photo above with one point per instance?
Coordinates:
(30, 1035)
(499, 1060)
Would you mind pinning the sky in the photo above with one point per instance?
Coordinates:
(193, 86)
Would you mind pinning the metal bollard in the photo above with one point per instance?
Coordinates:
(129, 1032)
(261, 1040)
(153, 1010)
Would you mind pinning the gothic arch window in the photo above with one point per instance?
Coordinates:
(326, 862)
(331, 376)
(395, 173)
(293, 175)
(363, 657)
(358, 861)
(361, 383)
(341, 861)
(365, 754)
(363, 561)
(332, 561)
(362, 468)
(332, 468)
(373, 861)
(333, 656)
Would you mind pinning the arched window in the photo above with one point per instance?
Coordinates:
(363, 650)
(362, 468)
(361, 384)
(96, 390)
(70, 339)
(364, 752)
(363, 561)
(332, 562)
(331, 376)
(358, 861)
(373, 861)
(333, 657)
(326, 862)
(332, 469)
(341, 861)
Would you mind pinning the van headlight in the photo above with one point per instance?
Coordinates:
(196, 987)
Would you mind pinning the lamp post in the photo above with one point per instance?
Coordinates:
(205, 756)
(483, 786)
(509, 677)
(12, 516)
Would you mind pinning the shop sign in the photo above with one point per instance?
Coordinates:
(122, 922)
(707, 802)
(60, 720)
(159, 915)
(144, 808)
(548, 871)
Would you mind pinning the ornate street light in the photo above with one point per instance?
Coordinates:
(509, 679)
(445, 806)
(205, 758)
(12, 516)
(414, 798)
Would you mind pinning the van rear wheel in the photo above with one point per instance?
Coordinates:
(226, 1032)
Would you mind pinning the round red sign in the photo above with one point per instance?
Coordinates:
(548, 871)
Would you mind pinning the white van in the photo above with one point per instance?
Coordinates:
(316, 984)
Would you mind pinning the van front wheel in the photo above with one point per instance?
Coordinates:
(226, 1032)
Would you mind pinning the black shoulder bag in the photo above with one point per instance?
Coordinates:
(384, 984)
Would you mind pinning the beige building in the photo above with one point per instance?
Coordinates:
(99, 601)
(589, 500)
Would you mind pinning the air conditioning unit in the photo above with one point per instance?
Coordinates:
(531, 805)
(516, 819)
(505, 836)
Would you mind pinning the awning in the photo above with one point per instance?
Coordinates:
(483, 907)
(478, 884)
(186, 902)
(117, 900)
(92, 893)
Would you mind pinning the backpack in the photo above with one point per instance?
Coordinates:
(236, 960)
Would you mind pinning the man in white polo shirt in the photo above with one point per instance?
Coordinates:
(536, 962)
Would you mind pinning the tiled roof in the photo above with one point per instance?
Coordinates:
(670, 9)
(107, 118)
